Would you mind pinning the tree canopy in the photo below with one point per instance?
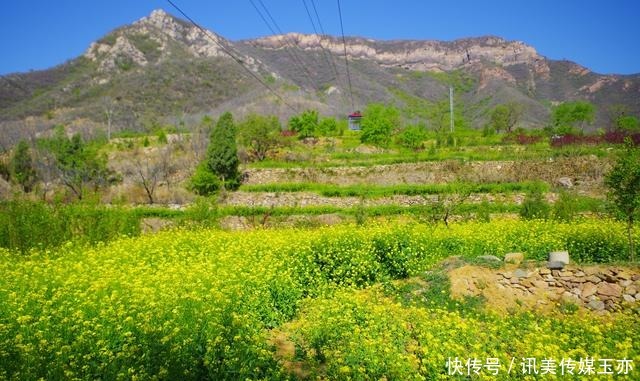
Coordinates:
(260, 134)
(21, 167)
(305, 124)
(505, 116)
(568, 116)
(378, 123)
(78, 164)
(222, 154)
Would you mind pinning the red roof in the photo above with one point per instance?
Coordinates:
(355, 115)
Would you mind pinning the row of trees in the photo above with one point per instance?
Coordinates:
(566, 118)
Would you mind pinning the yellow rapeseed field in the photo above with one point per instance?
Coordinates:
(203, 304)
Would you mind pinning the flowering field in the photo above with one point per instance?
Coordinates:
(206, 304)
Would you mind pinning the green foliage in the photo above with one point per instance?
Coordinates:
(461, 81)
(628, 123)
(148, 46)
(260, 134)
(109, 39)
(79, 164)
(568, 116)
(222, 155)
(534, 206)
(488, 130)
(623, 182)
(412, 137)
(305, 124)
(372, 191)
(162, 136)
(505, 116)
(22, 168)
(439, 116)
(124, 62)
(204, 182)
(378, 123)
(566, 207)
(27, 225)
(330, 127)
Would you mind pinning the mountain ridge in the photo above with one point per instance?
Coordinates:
(166, 67)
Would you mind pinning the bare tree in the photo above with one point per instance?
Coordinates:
(147, 171)
(150, 169)
(200, 140)
(443, 206)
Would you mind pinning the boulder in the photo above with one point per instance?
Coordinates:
(628, 298)
(609, 289)
(559, 256)
(626, 283)
(596, 305)
(592, 279)
(589, 289)
(539, 284)
(565, 182)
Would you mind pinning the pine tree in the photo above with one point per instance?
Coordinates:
(22, 169)
(222, 155)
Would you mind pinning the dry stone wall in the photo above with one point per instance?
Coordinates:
(596, 288)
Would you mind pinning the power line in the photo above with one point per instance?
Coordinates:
(333, 63)
(324, 52)
(224, 49)
(346, 59)
(288, 42)
(294, 58)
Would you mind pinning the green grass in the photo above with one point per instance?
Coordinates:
(373, 191)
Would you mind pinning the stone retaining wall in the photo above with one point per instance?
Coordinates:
(595, 288)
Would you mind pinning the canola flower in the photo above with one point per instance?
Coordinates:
(201, 304)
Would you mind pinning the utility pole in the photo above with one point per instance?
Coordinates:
(451, 107)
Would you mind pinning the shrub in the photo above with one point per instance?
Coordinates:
(566, 207)
(412, 137)
(204, 182)
(534, 206)
(378, 123)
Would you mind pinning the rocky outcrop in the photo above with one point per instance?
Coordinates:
(414, 55)
(165, 31)
(111, 56)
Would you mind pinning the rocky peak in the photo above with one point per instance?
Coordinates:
(415, 55)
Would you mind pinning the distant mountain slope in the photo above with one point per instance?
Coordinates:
(161, 66)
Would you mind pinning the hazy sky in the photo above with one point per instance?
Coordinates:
(604, 36)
